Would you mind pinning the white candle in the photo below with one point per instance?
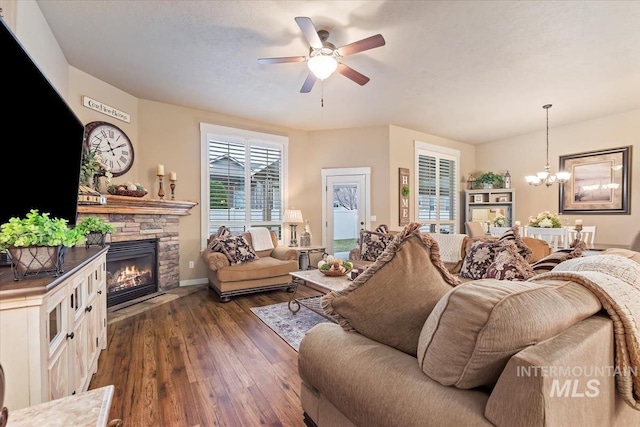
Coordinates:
(578, 222)
(518, 223)
(160, 170)
(173, 176)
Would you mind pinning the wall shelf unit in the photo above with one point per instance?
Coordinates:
(483, 205)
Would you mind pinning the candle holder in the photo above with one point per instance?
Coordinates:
(173, 187)
(578, 230)
(161, 189)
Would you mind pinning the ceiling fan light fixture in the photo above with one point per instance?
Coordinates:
(322, 66)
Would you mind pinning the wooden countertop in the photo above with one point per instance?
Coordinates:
(74, 259)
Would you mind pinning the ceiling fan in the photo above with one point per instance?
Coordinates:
(323, 56)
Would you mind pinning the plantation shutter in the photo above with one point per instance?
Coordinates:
(437, 207)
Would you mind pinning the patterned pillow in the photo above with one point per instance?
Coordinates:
(513, 234)
(509, 265)
(214, 243)
(372, 244)
(479, 257)
(549, 262)
(237, 250)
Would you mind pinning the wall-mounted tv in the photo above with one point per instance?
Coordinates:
(42, 139)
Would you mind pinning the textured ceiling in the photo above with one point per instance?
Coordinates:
(473, 71)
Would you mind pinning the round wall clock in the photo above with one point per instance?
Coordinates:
(112, 143)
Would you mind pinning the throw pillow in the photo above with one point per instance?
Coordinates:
(214, 241)
(372, 244)
(474, 330)
(478, 258)
(513, 234)
(390, 300)
(237, 250)
(549, 262)
(509, 265)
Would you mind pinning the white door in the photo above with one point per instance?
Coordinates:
(346, 209)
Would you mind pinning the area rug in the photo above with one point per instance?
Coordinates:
(290, 327)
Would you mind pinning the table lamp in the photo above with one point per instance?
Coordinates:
(293, 217)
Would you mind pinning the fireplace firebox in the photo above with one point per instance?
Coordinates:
(132, 270)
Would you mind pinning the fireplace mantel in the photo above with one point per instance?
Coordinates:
(139, 205)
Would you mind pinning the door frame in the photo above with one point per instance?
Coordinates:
(327, 172)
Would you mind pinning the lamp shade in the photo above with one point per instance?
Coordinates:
(322, 66)
(293, 216)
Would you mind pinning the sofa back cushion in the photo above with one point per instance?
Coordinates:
(392, 298)
(265, 253)
(474, 329)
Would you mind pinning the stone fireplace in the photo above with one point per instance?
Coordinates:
(138, 220)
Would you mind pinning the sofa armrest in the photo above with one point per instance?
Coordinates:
(214, 260)
(354, 254)
(284, 253)
(565, 380)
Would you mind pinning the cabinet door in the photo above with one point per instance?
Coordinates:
(92, 318)
(58, 335)
(101, 303)
(79, 366)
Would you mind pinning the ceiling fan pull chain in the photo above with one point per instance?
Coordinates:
(321, 93)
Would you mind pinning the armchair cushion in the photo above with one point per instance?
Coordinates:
(256, 269)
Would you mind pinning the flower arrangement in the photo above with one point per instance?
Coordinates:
(545, 219)
(499, 221)
(93, 167)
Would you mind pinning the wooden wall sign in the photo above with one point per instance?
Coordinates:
(404, 191)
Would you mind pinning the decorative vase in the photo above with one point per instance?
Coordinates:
(34, 260)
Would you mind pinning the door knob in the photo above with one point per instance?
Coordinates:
(71, 335)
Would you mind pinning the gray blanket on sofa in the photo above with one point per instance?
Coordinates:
(615, 281)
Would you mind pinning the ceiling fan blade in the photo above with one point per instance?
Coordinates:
(308, 83)
(360, 45)
(282, 59)
(352, 74)
(309, 31)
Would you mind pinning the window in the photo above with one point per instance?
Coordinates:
(243, 179)
(437, 184)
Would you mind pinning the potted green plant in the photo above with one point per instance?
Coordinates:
(489, 180)
(95, 230)
(37, 244)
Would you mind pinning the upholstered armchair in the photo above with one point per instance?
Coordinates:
(270, 270)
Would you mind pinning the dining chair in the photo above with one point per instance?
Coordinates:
(587, 235)
(555, 237)
(635, 245)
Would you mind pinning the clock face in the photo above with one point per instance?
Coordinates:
(112, 144)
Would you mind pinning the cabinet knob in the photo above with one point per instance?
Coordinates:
(88, 309)
(99, 292)
(71, 335)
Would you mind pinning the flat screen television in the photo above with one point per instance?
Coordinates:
(42, 139)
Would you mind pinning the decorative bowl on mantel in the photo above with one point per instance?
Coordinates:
(127, 189)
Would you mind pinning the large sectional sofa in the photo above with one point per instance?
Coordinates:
(412, 346)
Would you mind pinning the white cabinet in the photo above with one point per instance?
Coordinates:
(485, 204)
(52, 332)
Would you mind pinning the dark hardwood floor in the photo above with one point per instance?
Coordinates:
(197, 362)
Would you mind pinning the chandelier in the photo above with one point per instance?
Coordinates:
(546, 177)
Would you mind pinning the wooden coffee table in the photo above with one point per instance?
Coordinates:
(318, 281)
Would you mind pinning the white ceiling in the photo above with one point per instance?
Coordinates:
(473, 71)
